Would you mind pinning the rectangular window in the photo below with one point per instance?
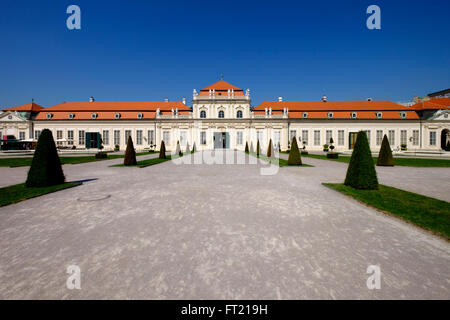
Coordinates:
(259, 136)
(432, 138)
(183, 138)
(138, 137)
(117, 137)
(391, 137)
(292, 134)
(415, 137)
(239, 137)
(151, 137)
(37, 133)
(368, 136)
(329, 135)
(166, 137)
(305, 137)
(22, 135)
(81, 138)
(379, 137)
(70, 137)
(340, 137)
(403, 137)
(317, 137)
(276, 138)
(203, 137)
(59, 134)
(127, 134)
(105, 137)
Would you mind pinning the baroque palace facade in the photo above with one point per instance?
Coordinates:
(221, 116)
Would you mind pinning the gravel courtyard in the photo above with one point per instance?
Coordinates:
(218, 232)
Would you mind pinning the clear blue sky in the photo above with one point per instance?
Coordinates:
(148, 50)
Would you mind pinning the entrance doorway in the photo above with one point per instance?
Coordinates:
(352, 139)
(221, 140)
(92, 140)
(445, 137)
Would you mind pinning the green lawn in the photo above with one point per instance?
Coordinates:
(428, 213)
(408, 162)
(281, 162)
(146, 163)
(21, 162)
(20, 192)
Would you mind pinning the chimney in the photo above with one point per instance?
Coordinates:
(280, 99)
(184, 101)
(324, 98)
(166, 100)
(91, 99)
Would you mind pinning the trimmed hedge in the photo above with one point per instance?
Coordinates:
(385, 157)
(332, 155)
(294, 154)
(45, 169)
(101, 155)
(162, 150)
(361, 172)
(130, 154)
(269, 149)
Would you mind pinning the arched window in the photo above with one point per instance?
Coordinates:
(203, 114)
(221, 114)
(239, 114)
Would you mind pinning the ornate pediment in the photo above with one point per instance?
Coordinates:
(11, 116)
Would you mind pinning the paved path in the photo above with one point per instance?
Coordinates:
(214, 232)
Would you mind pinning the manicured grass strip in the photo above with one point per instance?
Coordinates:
(281, 162)
(145, 163)
(21, 162)
(20, 192)
(428, 213)
(407, 162)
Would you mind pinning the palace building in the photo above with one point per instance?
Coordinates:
(221, 116)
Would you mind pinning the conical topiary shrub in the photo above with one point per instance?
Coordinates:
(130, 154)
(45, 167)
(187, 148)
(294, 154)
(269, 149)
(361, 172)
(385, 156)
(178, 150)
(162, 150)
(251, 147)
(246, 147)
(194, 148)
(257, 148)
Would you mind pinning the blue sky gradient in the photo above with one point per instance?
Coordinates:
(150, 50)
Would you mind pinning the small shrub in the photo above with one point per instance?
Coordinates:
(162, 150)
(45, 169)
(130, 154)
(116, 147)
(361, 172)
(385, 157)
(294, 154)
(101, 155)
(325, 147)
(332, 155)
(403, 147)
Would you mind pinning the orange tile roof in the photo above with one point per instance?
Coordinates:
(26, 107)
(119, 106)
(332, 106)
(433, 104)
(101, 115)
(221, 87)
